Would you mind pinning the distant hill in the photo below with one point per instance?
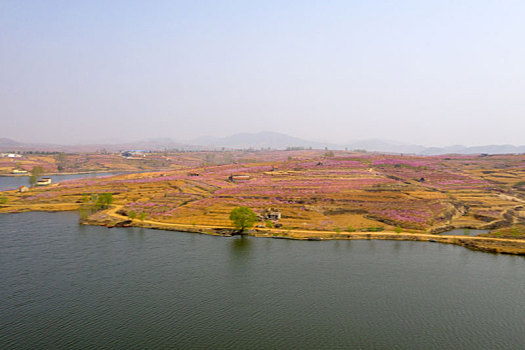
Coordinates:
(159, 144)
(275, 140)
(265, 139)
(374, 145)
(8, 145)
(422, 150)
(490, 149)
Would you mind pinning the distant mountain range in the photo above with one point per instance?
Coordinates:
(260, 140)
(274, 140)
(264, 139)
(8, 145)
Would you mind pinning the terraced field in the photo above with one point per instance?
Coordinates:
(312, 190)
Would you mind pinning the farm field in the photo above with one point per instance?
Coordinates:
(59, 163)
(336, 191)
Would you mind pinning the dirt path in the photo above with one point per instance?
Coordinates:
(511, 198)
(294, 233)
(486, 244)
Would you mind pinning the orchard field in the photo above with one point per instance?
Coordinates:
(312, 190)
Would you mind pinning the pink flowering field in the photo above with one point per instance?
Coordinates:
(311, 189)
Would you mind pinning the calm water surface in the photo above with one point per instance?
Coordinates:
(464, 232)
(13, 182)
(66, 286)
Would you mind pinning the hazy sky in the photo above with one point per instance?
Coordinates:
(428, 72)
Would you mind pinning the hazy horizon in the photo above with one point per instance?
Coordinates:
(431, 73)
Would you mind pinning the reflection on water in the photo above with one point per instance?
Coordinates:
(240, 245)
(397, 246)
(240, 249)
(70, 286)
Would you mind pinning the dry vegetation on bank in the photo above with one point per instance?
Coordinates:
(339, 192)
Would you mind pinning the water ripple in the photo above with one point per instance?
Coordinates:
(65, 286)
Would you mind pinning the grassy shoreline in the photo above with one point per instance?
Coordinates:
(484, 244)
(314, 196)
(111, 219)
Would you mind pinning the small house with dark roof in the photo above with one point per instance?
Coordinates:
(272, 214)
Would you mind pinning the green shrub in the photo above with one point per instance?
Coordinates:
(36, 172)
(104, 200)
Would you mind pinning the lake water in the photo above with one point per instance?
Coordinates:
(464, 232)
(13, 182)
(81, 287)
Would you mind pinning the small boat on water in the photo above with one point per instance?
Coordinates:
(44, 181)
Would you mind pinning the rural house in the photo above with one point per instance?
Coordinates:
(239, 177)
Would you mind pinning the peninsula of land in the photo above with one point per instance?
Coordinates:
(303, 194)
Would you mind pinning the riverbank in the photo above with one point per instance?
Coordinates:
(308, 196)
(110, 218)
